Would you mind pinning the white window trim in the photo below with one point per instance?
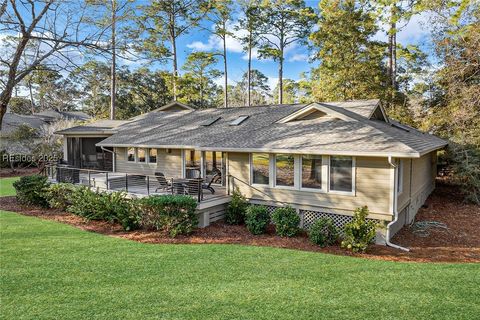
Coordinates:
(134, 154)
(354, 174)
(300, 175)
(295, 175)
(269, 171)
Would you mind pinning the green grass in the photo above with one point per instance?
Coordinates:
(6, 187)
(51, 270)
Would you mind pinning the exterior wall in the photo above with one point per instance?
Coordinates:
(424, 171)
(372, 179)
(168, 163)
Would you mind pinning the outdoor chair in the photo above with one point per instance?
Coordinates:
(208, 186)
(162, 181)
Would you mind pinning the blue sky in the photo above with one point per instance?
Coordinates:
(296, 60)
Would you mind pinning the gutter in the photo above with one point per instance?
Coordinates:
(113, 156)
(395, 211)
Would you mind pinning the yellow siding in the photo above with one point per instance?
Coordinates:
(422, 174)
(404, 197)
(168, 163)
(372, 187)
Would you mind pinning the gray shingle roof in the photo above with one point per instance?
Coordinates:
(358, 135)
(11, 121)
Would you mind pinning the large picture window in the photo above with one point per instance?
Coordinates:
(152, 155)
(341, 173)
(260, 168)
(284, 170)
(312, 171)
(141, 154)
(400, 177)
(131, 154)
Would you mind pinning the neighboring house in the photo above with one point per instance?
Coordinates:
(323, 159)
(12, 122)
(55, 115)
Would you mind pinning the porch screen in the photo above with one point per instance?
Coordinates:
(341, 173)
(141, 154)
(312, 171)
(284, 170)
(152, 155)
(260, 168)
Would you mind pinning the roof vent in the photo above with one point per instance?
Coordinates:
(238, 121)
(209, 121)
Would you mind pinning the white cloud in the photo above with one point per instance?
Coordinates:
(215, 43)
(298, 57)
(272, 82)
(411, 33)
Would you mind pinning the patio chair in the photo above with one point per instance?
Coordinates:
(162, 181)
(208, 186)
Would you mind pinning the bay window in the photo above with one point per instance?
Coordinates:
(312, 171)
(341, 173)
(284, 170)
(260, 168)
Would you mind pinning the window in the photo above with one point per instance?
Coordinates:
(209, 121)
(312, 171)
(141, 155)
(131, 154)
(238, 121)
(284, 170)
(260, 168)
(152, 155)
(341, 174)
(400, 177)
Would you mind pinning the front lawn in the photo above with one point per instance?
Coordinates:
(6, 186)
(52, 270)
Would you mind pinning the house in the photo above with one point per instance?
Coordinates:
(323, 159)
(53, 115)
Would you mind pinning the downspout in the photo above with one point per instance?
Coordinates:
(395, 211)
(113, 157)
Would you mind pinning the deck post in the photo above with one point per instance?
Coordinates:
(172, 187)
(126, 182)
(89, 183)
(106, 180)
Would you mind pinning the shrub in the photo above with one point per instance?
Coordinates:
(59, 195)
(174, 214)
(235, 213)
(31, 190)
(359, 232)
(257, 219)
(111, 207)
(286, 221)
(323, 232)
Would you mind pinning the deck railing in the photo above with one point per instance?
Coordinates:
(129, 182)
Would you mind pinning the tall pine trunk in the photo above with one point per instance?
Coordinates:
(113, 75)
(225, 95)
(249, 76)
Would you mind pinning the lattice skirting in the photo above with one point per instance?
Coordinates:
(308, 217)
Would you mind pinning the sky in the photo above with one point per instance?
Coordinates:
(297, 56)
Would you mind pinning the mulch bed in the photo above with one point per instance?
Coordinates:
(7, 172)
(459, 243)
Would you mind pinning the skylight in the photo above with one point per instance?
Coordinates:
(209, 121)
(238, 121)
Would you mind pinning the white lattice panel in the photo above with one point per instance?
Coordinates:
(309, 217)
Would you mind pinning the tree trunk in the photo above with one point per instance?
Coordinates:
(225, 97)
(249, 81)
(113, 74)
(394, 60)
(280, 72)
(175, 68)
